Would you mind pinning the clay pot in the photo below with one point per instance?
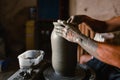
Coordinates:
(64, 54)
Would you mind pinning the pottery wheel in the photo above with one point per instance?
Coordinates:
(83, 72)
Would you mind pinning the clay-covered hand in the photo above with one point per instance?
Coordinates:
(67, 31)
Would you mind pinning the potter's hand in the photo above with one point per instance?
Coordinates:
(67, 31)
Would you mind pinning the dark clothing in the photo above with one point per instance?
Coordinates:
(104, 71)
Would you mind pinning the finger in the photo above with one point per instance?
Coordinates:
(60, 33)
(59, 28)
(68, 26)
(57, 24)
(70, 20)
(64, 23)
(61, 22)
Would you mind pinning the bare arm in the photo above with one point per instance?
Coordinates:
(113, 24)
(97, 25)
(107, 53)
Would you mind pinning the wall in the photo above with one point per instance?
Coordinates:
(99, 9)
(13, 17)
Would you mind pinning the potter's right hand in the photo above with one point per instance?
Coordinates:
(67, 31)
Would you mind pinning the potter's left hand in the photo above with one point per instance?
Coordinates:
(67, 31)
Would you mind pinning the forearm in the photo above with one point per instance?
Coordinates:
(97, 25)
(94, 24)
(102, 51)
(109, 54)
(88, 44)
(102, 26)
(114, 24)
